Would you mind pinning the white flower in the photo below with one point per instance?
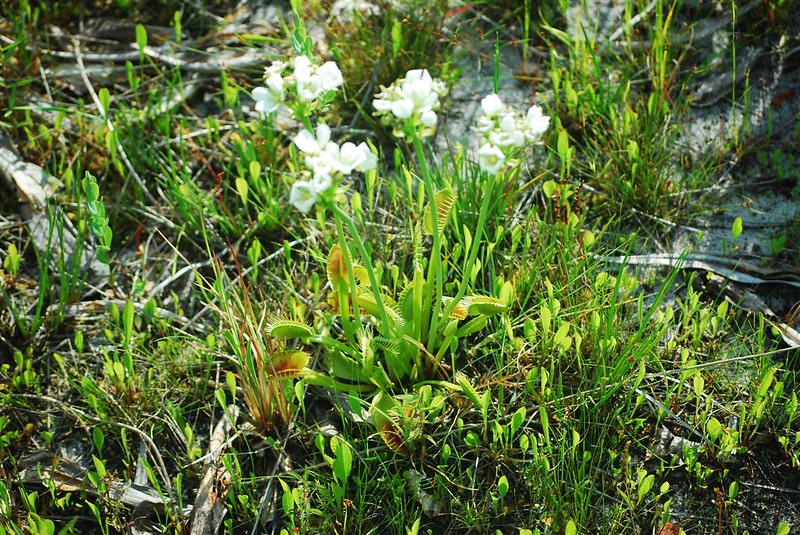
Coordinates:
(402, 109)
(321, 182)
(301, 67)
(270, 98)
(492, 105)
(414, 100)
(303, 195)
(330, 77)
(306, 142)
(327, 162)
(418, 90)
(277, 67)
(350, 157)
(304, 85)
(504, 132)
(382, 105)
(485, 125)
(369, 160)
(428, 118)
(491, 158)
(507, 134)
(312, 81)
(537, 123)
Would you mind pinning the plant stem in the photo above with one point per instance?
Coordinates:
(436, 253)
(341, 295)
(341, 215)
(473, 252)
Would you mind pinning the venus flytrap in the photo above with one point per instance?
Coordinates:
(412, 331)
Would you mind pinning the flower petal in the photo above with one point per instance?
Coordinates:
(303, 196)
(492, 105)
(305, 141)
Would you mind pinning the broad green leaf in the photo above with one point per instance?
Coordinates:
(242, 189)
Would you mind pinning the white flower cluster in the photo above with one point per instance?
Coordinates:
(409, 105)
(307, 81)
(327, 162)
(505, 131)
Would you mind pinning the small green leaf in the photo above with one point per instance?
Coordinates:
(127, 319)
(105, 100)
(141, 40)
(12, 261)
(783, 529)
(502, 487)
(517, 420)
(243, 189)
(733, 490)
(342, 462)
(545, 421)
(571, 528)
(230, 381)
(397, 37)
(176, 22)
(545, 317)
(737, 228)
(713, 428)
(300, 40)
(699, 385)
(100, 467)
(221, 399)
(98, 438)
(645, 485)
(562, 146)
(485, 305)
(765, 382)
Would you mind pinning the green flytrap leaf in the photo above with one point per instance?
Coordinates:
(287, 329)
(385, 416)
(485, 305)
(367, 301)
(445, 199)
(289, 363)
(338, 271)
